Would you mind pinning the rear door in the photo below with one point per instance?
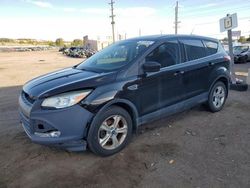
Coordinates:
(196, 65)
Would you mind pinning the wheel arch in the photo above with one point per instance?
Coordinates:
(126, 105)
(223, 79)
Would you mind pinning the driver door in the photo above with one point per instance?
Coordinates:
(163, 88)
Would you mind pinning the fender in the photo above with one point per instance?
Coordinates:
(122, 103)
(218, 74)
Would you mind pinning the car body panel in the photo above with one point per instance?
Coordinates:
(65, 80)
(72, 123)
(174, 108)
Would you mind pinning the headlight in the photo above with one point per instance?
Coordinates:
(65, 99)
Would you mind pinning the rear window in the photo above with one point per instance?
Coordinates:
(212, 47)
(194, 49)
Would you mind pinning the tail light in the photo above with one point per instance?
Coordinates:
(227, 58)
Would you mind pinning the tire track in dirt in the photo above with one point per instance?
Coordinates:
(129, 166)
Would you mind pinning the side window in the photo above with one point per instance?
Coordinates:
(194, 49)
(212, 47)
(166, 54)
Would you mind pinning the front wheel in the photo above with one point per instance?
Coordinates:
(217, 97)
(110, 131)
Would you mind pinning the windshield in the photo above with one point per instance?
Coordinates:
(115, 56)
(240, 48)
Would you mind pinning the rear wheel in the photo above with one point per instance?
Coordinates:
(217, 97)
(110, 132)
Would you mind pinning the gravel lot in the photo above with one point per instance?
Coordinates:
(195, 148)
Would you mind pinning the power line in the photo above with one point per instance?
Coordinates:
(112, 19)
(196, 12)
(213, 22)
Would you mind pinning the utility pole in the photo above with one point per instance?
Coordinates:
(176, 18)
(112, 19)
(230, 46)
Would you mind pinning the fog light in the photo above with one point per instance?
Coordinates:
(55, 133)
(52, 134)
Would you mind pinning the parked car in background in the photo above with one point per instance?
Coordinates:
(99, 103)
(62, 49)
(241, 53)
(79, 52)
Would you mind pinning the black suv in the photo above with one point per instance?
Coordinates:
(100, 102)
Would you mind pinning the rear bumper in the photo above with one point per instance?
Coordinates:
(70, 122)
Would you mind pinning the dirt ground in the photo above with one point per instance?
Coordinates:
(195, 148)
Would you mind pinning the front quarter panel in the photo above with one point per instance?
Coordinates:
(112, 92)
(101, 95)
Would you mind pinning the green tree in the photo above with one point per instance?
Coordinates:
(50, 43)
(59, 42)
(6, 40)
(77, 42)
(242, 39)
(248, 39)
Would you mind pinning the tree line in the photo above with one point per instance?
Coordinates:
(58, 42)
(76, 42)
(242, 39)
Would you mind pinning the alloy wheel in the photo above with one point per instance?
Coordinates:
(218, 97)
(112, 132)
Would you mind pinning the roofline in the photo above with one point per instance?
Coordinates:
(160, 37)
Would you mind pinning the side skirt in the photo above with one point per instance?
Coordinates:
(173, 109)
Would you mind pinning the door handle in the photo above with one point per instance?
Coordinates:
(179, 72)
(210, 64)
(133, 87)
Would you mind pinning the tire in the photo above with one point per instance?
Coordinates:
(217, 97)
(239, 87)
(115, 122)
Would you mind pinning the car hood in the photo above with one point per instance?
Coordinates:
(65, 80)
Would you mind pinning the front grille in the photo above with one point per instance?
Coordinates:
(27, 98)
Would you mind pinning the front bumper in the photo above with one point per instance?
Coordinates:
(71, 122)
(238, 58)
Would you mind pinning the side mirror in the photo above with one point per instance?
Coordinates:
(151, 66)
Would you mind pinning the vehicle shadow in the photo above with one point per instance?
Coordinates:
(168, 121)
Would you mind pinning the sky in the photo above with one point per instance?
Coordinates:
(71, 19)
